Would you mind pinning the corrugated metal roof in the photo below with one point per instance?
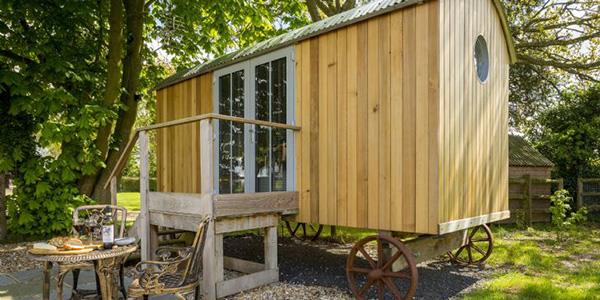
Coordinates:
(521, 153)
(354, 15)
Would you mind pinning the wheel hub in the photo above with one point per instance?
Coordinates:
(376, 274)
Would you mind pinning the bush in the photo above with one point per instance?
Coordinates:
(560, 208)
(132, 184)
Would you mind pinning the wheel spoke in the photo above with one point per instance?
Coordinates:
(360, 270)
(397, 275)
(389, 263)
(379, 251)
(392, 287)
(381, 289)
(480, 240)
(478, 249)
(366, 287)
(367, 257)
(459, 251)
(470, 254)
(473, 232)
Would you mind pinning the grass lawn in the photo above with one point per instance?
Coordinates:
(131, 201)
(530, 264)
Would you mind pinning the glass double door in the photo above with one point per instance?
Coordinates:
(253, 158)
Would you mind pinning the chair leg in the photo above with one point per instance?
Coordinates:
(145, 297)
(197, 293)
(59, 284)
(122, 282)
(74, 292)
(98, 292)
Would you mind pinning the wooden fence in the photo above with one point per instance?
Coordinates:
(529, 199)
(588, 194)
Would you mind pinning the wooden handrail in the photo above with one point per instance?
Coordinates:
(211, 116)
(218, 117)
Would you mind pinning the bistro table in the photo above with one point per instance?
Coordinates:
(106, 264)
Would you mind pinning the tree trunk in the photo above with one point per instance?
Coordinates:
(3, 187)
(132, 65)
(113, 83)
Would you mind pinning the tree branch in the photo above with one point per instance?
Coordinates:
(16, 57)
(558, 42)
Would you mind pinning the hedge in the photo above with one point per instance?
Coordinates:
(132, 184)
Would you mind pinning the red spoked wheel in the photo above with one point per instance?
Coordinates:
(312, 234)
(477, 248)
(372, 274)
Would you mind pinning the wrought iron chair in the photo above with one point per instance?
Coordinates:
(177, 272)
(93, 213)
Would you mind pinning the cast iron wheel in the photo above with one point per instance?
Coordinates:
(477, 249)
(294, 232)
(366, 272)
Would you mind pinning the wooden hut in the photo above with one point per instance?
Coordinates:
(398, 132)
(392, 116)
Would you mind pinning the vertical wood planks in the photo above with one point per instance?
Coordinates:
(477, 132)
(408, 119)
(384, 122)
(422, 120)
(373, 101)
(396, 103)
(352, 126)
(362, 132)
(342, 127)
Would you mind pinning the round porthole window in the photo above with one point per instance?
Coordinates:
(482, 59)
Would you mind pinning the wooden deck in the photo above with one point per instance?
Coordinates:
(228, 213)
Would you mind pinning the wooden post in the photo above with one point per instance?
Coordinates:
(144, 228)
(561, 183)
(113, 190)
(211, 271)
(579, 193)
(270, 241)
(529, 204)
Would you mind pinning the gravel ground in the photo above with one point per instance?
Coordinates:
(308, 270)
(13, 258)
(316, 270)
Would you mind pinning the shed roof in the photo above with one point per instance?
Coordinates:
(355, 15)
(522, 154)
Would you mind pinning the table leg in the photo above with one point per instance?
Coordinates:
(105, 268)
(46, 287)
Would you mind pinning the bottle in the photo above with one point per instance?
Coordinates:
(108, 229)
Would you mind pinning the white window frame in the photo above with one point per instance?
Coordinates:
(249, 113)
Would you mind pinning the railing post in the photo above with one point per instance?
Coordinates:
(144, 226)
(212, 269)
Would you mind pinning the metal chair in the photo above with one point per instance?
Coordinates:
(93, 213)
(177, 272)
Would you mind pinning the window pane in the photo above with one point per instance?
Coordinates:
(237, 133)
(224, 135)
(262, 92)
(262, 160)
(278, 91)
(278, 159)
(278, 114)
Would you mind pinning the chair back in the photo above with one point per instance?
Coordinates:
(192, 269)
(119, 213)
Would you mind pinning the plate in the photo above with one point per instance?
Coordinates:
(125, 241)
(59, 252)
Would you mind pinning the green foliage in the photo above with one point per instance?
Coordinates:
(562, 217)
(569, 135)
(530, 264)
(54, 73)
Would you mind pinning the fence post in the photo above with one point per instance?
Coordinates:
(528, 201)
(579, 193)
(561, 183)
